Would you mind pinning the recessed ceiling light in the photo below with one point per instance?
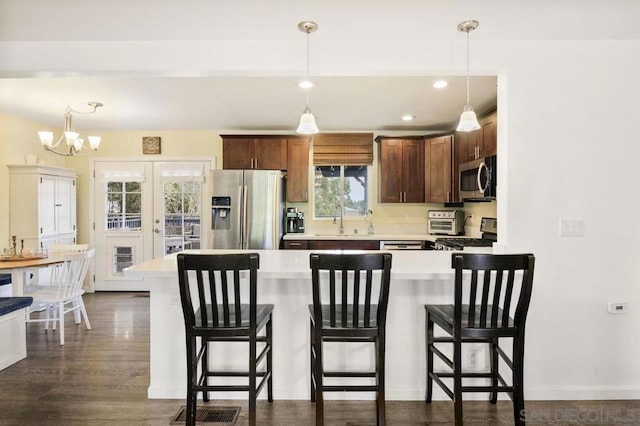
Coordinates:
(306, 84)
(440, 84)
(408, 117)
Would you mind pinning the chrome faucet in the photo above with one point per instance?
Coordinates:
(341, 218)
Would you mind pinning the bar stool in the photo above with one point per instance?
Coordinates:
(349, 305)
(490, 284)
(213, 295)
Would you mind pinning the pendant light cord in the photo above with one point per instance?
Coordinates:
(307, 90)
(467, 67)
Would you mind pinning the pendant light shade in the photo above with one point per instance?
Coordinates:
(468, 120)
(307, 125)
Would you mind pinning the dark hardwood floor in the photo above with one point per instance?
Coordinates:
(100, 377)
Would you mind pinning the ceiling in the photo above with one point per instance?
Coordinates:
(249, 82)
(247, 103)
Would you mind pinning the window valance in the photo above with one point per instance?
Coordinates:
(343, 149)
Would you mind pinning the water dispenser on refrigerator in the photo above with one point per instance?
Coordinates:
(221, 213)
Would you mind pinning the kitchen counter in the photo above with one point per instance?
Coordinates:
(417, 277)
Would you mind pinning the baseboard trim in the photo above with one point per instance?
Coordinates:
(582, 393)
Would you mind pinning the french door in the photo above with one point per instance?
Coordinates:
(144, 210)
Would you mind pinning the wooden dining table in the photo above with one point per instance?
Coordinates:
(20, 267)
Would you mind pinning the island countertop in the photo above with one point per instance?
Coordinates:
(292, 264)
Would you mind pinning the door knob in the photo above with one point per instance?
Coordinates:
(157, 231)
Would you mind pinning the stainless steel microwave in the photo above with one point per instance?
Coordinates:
(478, 179)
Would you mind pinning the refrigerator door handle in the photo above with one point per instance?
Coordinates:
(275, 205)
(241, 209)
(245, 218)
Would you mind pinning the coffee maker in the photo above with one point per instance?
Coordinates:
(295, 221)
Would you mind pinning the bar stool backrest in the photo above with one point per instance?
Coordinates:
(352, 287)
(488, 285)
(215, 292)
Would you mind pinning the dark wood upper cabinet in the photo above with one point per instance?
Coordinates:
(438, 169)
(489, 135)
(254, 152)
(298, 170)
(401, 169)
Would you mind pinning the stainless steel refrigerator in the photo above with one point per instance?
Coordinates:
(247, 209)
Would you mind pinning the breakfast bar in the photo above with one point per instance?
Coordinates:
(417, 277)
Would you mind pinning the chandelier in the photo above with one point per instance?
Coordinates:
(74, 145)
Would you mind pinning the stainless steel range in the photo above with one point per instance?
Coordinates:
(489, 229)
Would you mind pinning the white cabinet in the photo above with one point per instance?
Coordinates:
(42, 205)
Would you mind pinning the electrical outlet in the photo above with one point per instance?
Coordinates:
(472, 359)
(617, 307)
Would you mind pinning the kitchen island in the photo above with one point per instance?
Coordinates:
(417, 278)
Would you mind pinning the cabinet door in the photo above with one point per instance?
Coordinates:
(65, 205)
(413, 171)
(468, 145)
(438, 159)
(296, 245)
(270, 154)
(298, 170)
(489, 136)
(390, 178)
(237, 153)
(47, 206)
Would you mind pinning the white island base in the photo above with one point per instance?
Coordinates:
(417, 278)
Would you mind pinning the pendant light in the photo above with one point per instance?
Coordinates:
(468, 120)
(307, 125)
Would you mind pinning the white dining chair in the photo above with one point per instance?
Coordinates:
(64, 295)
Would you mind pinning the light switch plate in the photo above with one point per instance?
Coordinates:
(571, 227)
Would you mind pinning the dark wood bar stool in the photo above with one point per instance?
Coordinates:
(490, 284)
(350, 297)
(214, 304)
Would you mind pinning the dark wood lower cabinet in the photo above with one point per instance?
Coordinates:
(331, 244)
(296, 244)
(344, 245)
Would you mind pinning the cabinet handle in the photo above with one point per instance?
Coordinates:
(448, 196)
(256, 163)
(295, 244)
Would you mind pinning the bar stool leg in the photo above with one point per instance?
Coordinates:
(429, 340)
(312, 358)
(269, 328)
(380, 379)
(493, 352)
(318, 373)
(457, 381)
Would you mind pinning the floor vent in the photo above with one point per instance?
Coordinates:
(222, 416)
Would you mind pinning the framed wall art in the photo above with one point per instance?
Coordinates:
(151, 144)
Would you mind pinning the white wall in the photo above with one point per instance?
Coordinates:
(570, 152)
